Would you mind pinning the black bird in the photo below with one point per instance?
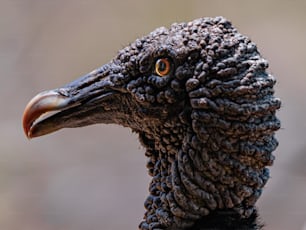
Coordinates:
(200, 99)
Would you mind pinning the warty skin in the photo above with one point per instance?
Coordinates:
(202, 102)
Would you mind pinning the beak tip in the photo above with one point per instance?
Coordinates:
(26, 126)
(28, 137)
(44, 102)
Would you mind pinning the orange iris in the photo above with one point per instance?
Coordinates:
(162, 67)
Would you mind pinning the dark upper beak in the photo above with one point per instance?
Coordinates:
(70, 105)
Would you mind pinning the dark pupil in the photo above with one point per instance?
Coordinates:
(162, 66)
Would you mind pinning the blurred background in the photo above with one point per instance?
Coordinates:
(83, 178)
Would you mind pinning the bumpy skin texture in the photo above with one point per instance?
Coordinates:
(211, 151)
(207, 126)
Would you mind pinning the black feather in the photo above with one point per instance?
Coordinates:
(207, 120)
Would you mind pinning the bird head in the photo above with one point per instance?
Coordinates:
(200, 98)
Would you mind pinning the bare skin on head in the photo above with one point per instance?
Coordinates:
(200, 98)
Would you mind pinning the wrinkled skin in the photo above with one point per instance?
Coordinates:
(206, 117)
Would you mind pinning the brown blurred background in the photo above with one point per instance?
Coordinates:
(84, 178)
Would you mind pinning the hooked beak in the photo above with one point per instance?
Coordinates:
(86, 101)
(41, 104)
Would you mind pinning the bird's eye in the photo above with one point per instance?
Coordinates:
(163, 67)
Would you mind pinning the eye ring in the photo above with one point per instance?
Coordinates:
(163, 67)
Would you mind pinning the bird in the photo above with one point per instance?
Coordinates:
(200, 97)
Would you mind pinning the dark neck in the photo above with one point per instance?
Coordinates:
(195, 186)
(227, 219)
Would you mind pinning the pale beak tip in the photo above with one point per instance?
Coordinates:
(43, 102)
(26, 123)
